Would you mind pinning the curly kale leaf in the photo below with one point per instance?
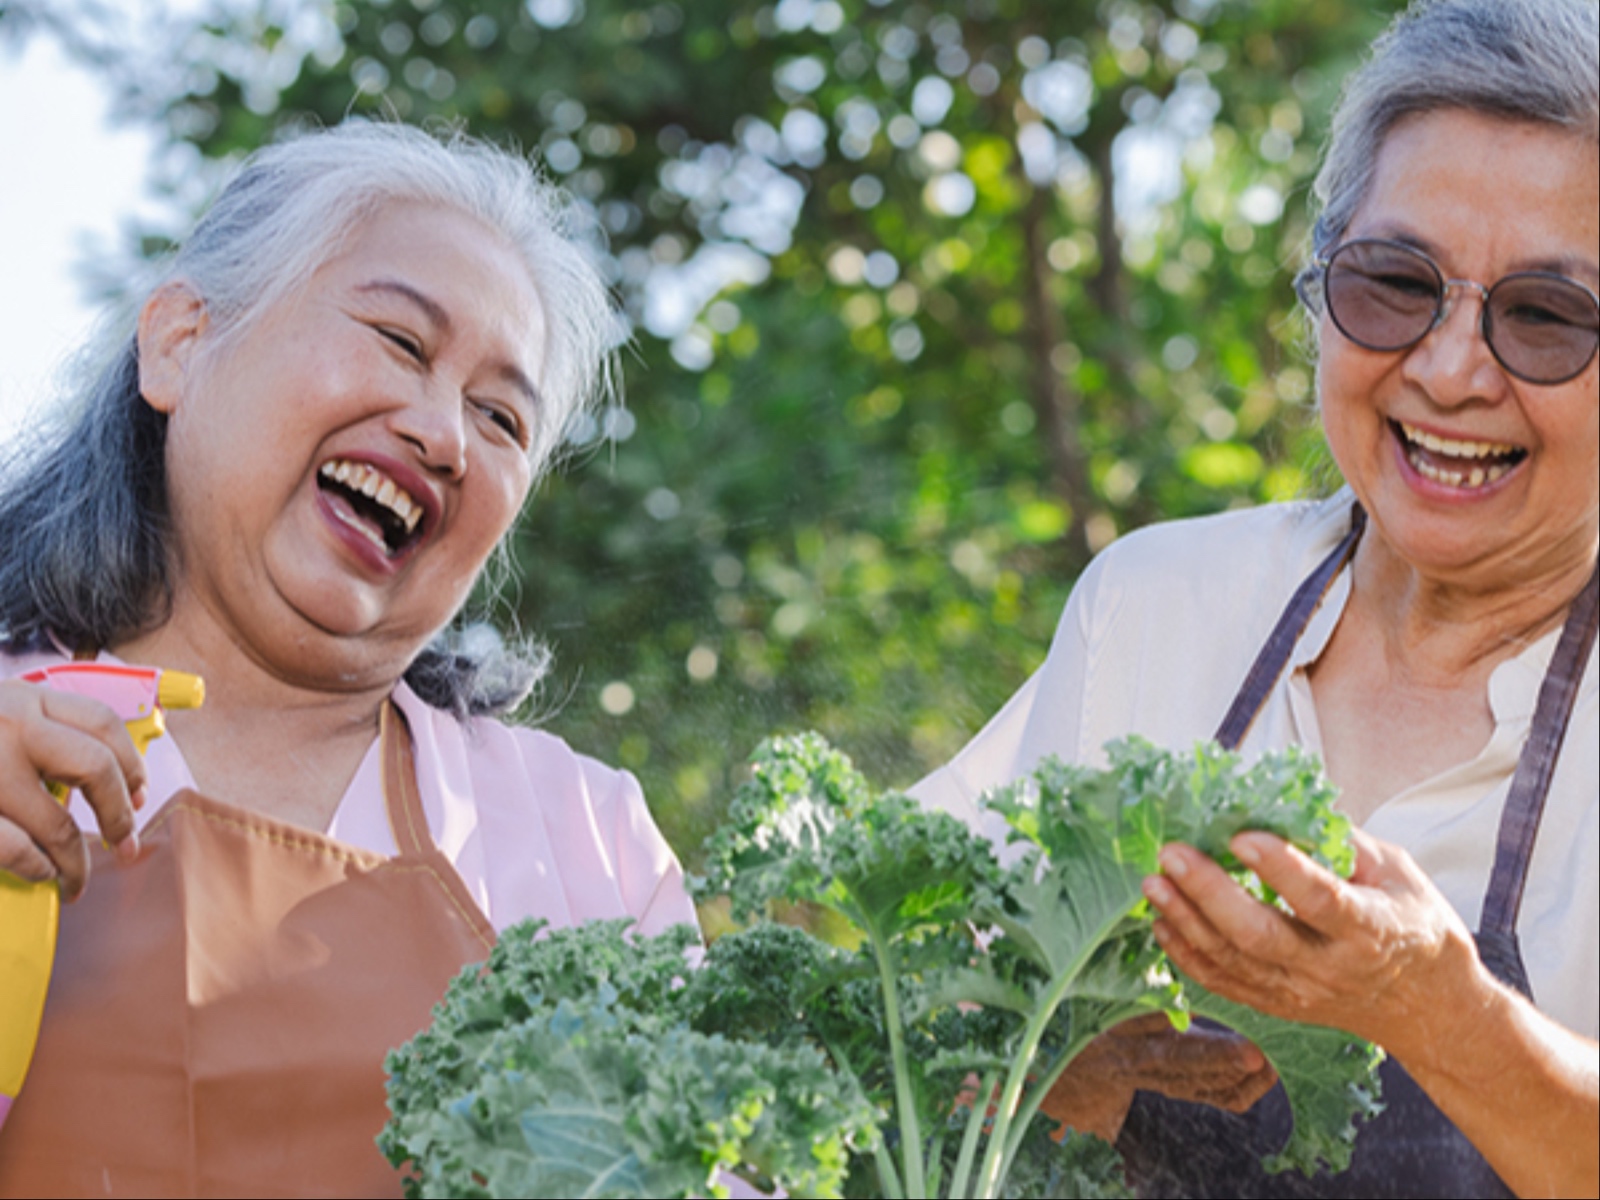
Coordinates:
(1329, 1076)
(1050, 1162)
(596, 1101)
(807, 827)
(588, 1062)
(592, 1083)
(1092, 836)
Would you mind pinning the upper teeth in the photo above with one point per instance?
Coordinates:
(1453, 448)
(369, 481)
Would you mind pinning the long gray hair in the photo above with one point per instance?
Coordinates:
(84, 519)
(1522, 60)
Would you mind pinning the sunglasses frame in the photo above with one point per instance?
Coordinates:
(1311, 285)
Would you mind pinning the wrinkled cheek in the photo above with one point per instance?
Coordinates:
(1351, 422)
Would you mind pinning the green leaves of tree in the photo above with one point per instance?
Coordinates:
(858, 504)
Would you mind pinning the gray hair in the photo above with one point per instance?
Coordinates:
(1522, 60)
(84, 518)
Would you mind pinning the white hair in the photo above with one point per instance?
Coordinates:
(1521, 60)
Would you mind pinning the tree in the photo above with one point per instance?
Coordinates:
(931, 301)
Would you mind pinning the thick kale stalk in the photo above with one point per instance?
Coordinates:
(911, 1060)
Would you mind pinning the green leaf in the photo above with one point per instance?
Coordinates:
(1330, 1078)
(808, 828)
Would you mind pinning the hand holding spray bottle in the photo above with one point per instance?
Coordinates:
(30, 911)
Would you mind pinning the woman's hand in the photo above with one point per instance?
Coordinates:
(1381, 955)
(73, 740)
(1209, 1066)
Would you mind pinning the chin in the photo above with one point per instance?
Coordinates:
(1438, 546)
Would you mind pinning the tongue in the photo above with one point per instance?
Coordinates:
(347, 512)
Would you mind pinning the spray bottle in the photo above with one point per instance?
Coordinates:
(30, 912)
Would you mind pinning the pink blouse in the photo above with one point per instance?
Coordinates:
(534, 828)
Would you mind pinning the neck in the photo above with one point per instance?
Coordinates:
(1452, 628)
(265, 739)
(239, 685)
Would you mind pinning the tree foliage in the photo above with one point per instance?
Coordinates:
(930, 299)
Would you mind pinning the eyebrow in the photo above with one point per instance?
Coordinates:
(439, 318)
(1573, 266)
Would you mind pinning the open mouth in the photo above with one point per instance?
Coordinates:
(1453, 463)
(372, 504)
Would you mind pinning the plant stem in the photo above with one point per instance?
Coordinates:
(989, 1174)
(969, 1140)
(934, 1170)
(905, 1094)
(1000, 1139)
(887, 1175)
(1042, 1086)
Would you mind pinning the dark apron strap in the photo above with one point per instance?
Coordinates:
(1274, 657)
(1177, 1149)
(1558, 695)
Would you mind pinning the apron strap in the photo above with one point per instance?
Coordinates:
(1274, 656)
(402, 802)
(1519, 822)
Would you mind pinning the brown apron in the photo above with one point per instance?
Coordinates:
(1411, 1149)
(220, 1010)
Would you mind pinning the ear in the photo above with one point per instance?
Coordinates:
(170, 328)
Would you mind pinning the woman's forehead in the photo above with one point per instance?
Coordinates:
(454, 271)
(1464, 184)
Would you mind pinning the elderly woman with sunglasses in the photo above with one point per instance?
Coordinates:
(1430, 631)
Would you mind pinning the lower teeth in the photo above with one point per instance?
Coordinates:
(1474, 478)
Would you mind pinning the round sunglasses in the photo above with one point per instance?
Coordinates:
(1383, 295)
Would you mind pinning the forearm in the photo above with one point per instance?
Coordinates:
(1523, 1089)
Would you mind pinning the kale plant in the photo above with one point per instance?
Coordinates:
(911, 1061)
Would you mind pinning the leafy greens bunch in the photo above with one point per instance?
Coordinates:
(587, 1062)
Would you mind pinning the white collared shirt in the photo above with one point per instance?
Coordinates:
(1156, 640)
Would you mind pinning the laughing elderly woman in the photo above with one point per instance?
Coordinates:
(287, 483)
(1430, 631)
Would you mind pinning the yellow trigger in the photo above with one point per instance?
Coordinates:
(145, 730)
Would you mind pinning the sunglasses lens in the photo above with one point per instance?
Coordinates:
(1543, 328)
(1382, 295)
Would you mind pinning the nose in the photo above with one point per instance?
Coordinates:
(434, 422)
(1453, 363)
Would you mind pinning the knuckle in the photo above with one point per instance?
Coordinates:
(62, 840)
(104, 724)
(1319, 905)
(21, 857)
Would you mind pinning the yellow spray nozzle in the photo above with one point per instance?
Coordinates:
(178, 689)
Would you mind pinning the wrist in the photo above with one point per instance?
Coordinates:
(1460, 1026)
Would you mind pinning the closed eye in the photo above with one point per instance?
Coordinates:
(1533, 314)
(507, 420)
(1406, 285)
(404, 341)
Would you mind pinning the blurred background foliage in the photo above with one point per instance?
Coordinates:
(929, 302)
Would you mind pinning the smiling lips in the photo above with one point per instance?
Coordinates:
(374, 505)
(1453, 463)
